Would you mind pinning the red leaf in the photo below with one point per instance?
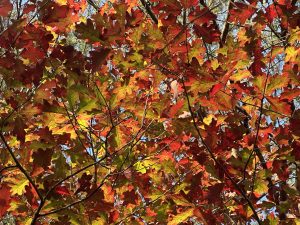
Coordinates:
(175, 108)
(62, 190)
(4, 199)
(29, 8)
(98, 58)
(215, 89)
(113, 216)
(5, 7)
(207, 17)
(33, 54)
(207, 33)
(150, 213)
(241, 13)
(273, 12)
(189, 3)
(19, 129)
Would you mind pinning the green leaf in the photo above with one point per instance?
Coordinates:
(261, 185)
(259, 82)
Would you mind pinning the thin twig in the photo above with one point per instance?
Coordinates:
(79, 201)
(20, 167)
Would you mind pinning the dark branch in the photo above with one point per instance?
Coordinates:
(20, 167)
(149, 11)
(76, 202)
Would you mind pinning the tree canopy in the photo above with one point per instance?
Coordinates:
(150, 112)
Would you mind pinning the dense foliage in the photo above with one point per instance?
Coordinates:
(150, 112)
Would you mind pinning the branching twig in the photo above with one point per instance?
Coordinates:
(255, 147)
(20, 167)
(215, 159)
(7, 168)
(77, 202)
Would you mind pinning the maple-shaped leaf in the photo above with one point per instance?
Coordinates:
(32, 53)
(175, 109)
(29, 8)
(292, 54)
(5, 8)
(31, 196)
(211, 195)
(201, 84)
(240, 12)
(99, 221)
(272, 12)
(87, 31)
(207, 33)
(130, 197)
(181, 200)
(98, 57)
(278, 105)
(276, 82)
(60, 17)
(295, 123)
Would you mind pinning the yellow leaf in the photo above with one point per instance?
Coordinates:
(99, 221)
(276, 82)
(19, 187)
(139, 167)
(28, 221)
(240, 75)
(180, 200)
(101, 152)
(207, 120)
(259, 82)
(181, 217)
(25, 61)
(83, 119)
(62, 2)
(294, 35)
(214, 64)
(159, 24)
(291, 53)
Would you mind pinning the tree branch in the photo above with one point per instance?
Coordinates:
(20, 167)
(215, 159)
(149, 11)
(7, 168)
(76, 202)
(210, 151)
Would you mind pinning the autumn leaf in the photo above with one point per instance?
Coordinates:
(4, 199)
(157, 112)
(62, 190)
(18, 188)
(5, 8)
(181, 217)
